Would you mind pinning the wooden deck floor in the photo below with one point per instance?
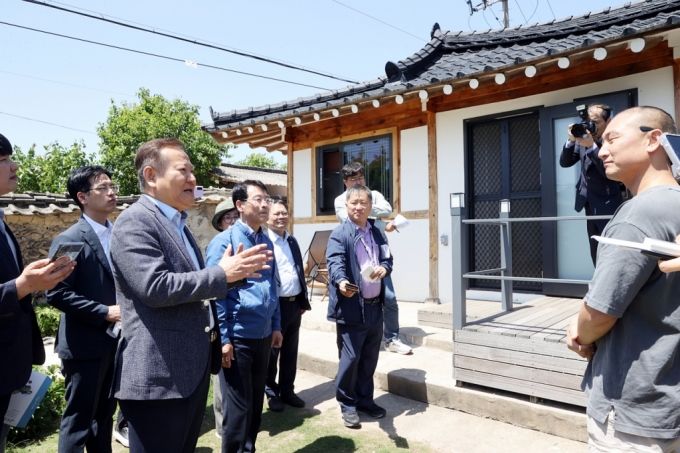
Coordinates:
(522, 351)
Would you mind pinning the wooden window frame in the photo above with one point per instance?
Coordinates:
(396, 164)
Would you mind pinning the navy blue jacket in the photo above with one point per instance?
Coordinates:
(601, 193)
(342, 264)
(20, 342)
(84, 298)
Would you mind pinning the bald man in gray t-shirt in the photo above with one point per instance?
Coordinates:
(629, 324)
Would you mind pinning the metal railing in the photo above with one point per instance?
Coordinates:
(459, 236)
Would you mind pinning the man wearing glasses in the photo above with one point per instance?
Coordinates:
(249, 321)
(293, 303)
(86, 342)
(353, 175)
(629, 324)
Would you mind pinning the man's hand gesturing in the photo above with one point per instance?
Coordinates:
(245, 264)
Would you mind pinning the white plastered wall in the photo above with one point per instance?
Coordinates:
(655, 88)
(302, 184)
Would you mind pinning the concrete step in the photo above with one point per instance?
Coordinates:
(426, 376)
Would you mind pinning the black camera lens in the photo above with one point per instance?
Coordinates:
(579, 130)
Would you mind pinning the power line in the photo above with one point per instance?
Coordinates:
(551, 10)
(64, 83)
(46, 122)
(534, 13)
(374, 18)
(191, 41)
(194, 64)
(520, 10)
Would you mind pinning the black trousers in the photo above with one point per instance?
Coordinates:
(595, 228)
(244, 394)
(4, 429)
(88, 418)
(291, 319)
(166, 426)
(359, 347)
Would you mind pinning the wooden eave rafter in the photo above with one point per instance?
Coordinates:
(271, 133)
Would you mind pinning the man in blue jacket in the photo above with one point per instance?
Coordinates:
(249, 319)
(355, 304)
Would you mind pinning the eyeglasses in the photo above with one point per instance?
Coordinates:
(356, 178)
(113, 188)
(229, 218)
(261, 201)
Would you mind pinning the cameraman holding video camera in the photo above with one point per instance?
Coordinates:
(594, 191)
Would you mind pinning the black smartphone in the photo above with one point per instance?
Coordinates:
(352, 287)
(71, 249)
(671, 144)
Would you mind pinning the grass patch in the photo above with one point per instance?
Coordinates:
(294, 430)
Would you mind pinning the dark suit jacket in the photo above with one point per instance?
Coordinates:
(601, 193)
(84, 298)
(165, 344)
(20, 341)
(297, 256)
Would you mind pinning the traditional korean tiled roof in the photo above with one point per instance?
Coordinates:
(239, 173)
(30, 203)
(451, 56)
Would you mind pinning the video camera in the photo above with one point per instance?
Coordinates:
(579, 130)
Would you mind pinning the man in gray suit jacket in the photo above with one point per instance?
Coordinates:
(170, 336)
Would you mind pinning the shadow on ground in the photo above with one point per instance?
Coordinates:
(407, 382)
(335, 444)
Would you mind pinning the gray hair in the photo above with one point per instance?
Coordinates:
(358, 189)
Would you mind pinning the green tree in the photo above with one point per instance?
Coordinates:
(261, 160)
(130, 124)
(49, 172)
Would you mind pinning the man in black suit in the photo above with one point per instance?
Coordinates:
(86, 342)
(293, 302)
(20, 340)
(594, 191)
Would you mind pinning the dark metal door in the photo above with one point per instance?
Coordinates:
(505, 163)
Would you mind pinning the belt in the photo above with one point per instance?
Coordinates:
(288, 298)
(373, 301)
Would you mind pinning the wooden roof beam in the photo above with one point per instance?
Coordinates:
(265, 143)
(248, 138)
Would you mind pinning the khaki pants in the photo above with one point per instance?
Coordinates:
(603, 438)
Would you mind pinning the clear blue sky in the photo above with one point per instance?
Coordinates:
(319, 34)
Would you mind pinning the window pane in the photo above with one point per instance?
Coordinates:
(375, 156)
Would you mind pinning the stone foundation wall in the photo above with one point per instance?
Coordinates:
(36, 232)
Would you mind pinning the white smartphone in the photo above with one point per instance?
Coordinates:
(671, 143)
(198, 191)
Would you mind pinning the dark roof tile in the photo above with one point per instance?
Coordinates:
(460, 54)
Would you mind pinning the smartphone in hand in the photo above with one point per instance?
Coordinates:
(70, 249)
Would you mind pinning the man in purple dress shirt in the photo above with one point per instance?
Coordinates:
(357, 310)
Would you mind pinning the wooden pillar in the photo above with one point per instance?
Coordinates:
(289, 174)
(433, 207)
(676, 89)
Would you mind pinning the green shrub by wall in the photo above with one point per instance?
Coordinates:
(48, 319)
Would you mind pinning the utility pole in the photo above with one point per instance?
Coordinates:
(487, 4)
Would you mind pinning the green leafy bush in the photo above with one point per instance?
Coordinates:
(47, 416)
(48, 319)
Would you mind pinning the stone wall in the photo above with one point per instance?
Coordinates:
(35, 232)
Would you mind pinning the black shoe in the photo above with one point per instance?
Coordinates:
(373, 411)
(351, 419)
(292, 399)
(275, 404)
